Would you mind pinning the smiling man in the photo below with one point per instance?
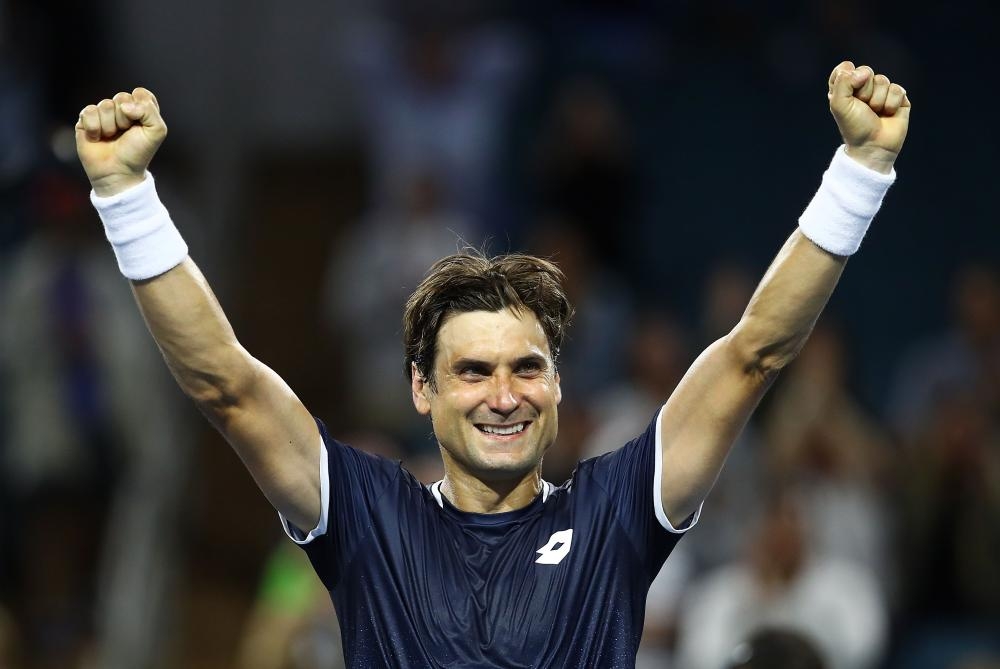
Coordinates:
(492, 566)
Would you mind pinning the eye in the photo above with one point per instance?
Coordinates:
(473, 372)
(529, 368)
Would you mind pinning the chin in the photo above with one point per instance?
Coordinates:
(505, 468)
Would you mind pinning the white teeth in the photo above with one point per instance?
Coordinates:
(505, 429)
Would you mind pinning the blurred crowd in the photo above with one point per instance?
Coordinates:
(660, 153)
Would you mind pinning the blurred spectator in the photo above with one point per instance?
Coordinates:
(658, 356)
(950, 511)
(967, 356)
(20, 145)
(818, 434)
(836, 604)
(434, 99)
(725, 296)
(10, 651)
(292, 625)
(88, 431)
(586, 173)
(371, 272)
(659, 632)
(945, 407)
(736, 495)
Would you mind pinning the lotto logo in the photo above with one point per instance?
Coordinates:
(556, 549)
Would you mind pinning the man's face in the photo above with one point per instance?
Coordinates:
(494, 405)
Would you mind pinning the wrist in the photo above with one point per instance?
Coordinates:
(839, 214)
(113, 184)
(145, 240)
(873, 157)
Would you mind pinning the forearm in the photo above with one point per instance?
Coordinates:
(256, 411)
(705, 413)
(180, 310)
(786, 304)
(799, 282)
(196, 339)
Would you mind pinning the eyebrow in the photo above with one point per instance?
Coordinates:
(533, 358)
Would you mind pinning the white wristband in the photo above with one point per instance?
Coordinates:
(839, 214)
(144, 239)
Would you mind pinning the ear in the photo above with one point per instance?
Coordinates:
(421, 390)
(558, 389)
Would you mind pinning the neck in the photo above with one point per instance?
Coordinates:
(473, 495)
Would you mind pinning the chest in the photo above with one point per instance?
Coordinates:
(468, 590)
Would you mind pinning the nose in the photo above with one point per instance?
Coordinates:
(503, 398)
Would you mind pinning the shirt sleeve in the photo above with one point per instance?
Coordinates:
(351, 483)
(631, 478)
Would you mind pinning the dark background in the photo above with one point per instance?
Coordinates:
(699, 133)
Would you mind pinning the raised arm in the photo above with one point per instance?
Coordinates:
(712, 403)
(248, 403)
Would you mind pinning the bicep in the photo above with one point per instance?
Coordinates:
(278, 441)
(701, 420)
(250, 404)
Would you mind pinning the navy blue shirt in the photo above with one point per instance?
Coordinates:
(560, 583)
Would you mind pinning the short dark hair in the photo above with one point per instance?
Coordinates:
(472, 281)
(777, 648)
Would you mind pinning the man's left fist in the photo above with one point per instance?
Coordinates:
(872, 113)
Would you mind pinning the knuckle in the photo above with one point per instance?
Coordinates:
(105, 104)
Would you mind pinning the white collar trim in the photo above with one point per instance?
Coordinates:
(547, 489)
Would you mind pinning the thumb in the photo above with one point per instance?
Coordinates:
(144, 109)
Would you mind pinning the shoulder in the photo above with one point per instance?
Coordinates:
(344, 454)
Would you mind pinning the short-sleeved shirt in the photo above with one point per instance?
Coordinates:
(560, 583)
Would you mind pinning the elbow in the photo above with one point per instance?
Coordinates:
(762, 356)
(213, 395)
(221, 388)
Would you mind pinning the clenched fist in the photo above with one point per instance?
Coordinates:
(117, 138)
(872, 113)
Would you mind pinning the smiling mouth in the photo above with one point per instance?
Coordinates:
(503, 430)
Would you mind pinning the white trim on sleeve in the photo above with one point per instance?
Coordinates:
(294, 533)
(658, 488)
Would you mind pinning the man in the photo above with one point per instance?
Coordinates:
(490, 566)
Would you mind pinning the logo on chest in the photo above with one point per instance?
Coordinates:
(556, 549)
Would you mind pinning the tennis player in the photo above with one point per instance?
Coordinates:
(491, 566)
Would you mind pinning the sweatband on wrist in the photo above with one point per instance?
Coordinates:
(144, 239)
(840, 212)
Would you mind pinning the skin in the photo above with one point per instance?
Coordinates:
(276, 437)
(708, 409)
(492, 369)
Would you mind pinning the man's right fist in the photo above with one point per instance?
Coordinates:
(117, 138)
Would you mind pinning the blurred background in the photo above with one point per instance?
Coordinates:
(323, 154)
